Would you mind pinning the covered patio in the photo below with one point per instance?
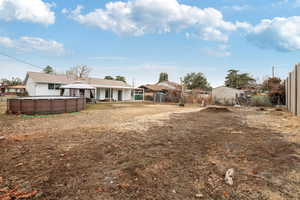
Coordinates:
(79, 90)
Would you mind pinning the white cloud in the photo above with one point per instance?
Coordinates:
(219, 51)
(35, 11)
(297, 3)
(280, 3)
(6, 42)
(237, 7)
(33, 44)
(282, 34)
(109, 58)
(139, 17)
(291, 3)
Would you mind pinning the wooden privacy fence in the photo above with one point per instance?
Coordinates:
(38, 106)
(292, 88)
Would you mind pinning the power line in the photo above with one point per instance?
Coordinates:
(21, 61)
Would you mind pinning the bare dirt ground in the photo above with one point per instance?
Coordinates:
(151, 152)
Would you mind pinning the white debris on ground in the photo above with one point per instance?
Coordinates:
(229, 176)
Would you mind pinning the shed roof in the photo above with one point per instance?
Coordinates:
(155, 88)
(16, 87)
(165, 85)
(225, 87)
(170, 85)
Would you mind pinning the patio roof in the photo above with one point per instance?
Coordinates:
(78, 86)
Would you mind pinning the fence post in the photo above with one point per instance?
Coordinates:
(34, 106)
(8, 111)
(290, 92)
(298, 90)
(77, 109)
(51, 106)
(293, 103)
(20, 106)
(286, 84)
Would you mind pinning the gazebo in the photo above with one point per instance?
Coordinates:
(79, 89)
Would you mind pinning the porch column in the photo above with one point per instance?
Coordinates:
(143, 94)
(110, 94)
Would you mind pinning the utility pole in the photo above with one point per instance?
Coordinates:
(133, 90)
(133, 83)
(273, 71)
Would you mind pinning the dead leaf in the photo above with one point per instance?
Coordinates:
(26, 195)
(226, 194)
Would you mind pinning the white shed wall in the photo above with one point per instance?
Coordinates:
(225, 95)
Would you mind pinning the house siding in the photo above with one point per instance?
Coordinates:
(126, 94)
(41, 89)
(31, 87)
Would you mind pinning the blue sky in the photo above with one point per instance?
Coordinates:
(141, 38)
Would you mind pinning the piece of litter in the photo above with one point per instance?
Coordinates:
(20, 164)
(229, 176)
(199, 195)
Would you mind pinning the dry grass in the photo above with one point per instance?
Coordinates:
(152, 152)
(98, 116)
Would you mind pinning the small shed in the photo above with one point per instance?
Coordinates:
(226, 95)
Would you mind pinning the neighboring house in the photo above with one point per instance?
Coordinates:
(41, 84)
(225, 95)
(169, 85)
(163, 91)
(12, 90)
(161, 87)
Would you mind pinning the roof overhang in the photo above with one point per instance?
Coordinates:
(78, 86)
(114, 87)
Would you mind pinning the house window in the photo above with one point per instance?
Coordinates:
(51, 86)
(57, 86)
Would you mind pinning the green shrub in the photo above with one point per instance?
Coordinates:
(261, 101)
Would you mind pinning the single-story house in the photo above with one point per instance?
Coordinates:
(226, 95)
(12, 89)
(169, 85)
(41, 84)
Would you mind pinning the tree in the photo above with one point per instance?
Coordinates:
(232, 78)
(196, 81)
(275, 88)
(48, 70)
(79, 72)
(236, 80)
(163, 76)
(108, 78)
(12, 82)
(120, 78)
